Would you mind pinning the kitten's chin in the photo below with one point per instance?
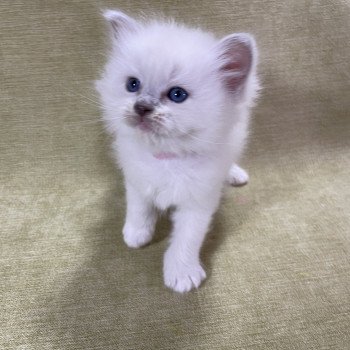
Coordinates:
(145, 127)
(160, 139)
(148, 128)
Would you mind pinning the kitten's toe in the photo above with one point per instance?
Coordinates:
(182, 277)
(136, 238)
(237, 176)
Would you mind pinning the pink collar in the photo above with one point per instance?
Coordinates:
(165, 155)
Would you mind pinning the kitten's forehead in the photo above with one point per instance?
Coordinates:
(166, 52)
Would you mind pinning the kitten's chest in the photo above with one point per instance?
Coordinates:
(165, 182)
(174, 181)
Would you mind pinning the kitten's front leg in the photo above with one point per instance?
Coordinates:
(182, 268)
(140, 219)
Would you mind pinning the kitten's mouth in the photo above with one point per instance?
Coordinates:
(143, 123)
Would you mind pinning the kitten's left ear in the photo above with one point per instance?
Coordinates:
(237, 59)
(120, 22)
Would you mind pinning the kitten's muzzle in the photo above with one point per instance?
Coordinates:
(144, 109)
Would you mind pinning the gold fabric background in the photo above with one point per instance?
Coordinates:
(278, 256)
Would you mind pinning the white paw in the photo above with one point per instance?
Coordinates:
(237, 176)
(136, 238)
(182, 277)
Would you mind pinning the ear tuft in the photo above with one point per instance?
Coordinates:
(119, 21)
(237, 55)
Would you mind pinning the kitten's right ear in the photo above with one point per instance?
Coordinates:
(120, 22)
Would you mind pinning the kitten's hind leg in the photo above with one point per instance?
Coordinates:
(237, 176)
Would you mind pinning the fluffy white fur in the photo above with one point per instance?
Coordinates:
(203, 135)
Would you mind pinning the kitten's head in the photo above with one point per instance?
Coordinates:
(172, 87)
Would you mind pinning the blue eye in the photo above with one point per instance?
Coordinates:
(177, 94)
(133, 84)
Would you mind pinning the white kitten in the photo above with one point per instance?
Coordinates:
(177, 102)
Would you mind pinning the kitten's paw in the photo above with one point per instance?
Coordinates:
(182, 277)
(237, 176)
(136, 238)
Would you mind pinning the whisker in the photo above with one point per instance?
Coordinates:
(103, 54)
(98, 120)
(206, 141)
(86, 122)
(93, 102)
(119, 118)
